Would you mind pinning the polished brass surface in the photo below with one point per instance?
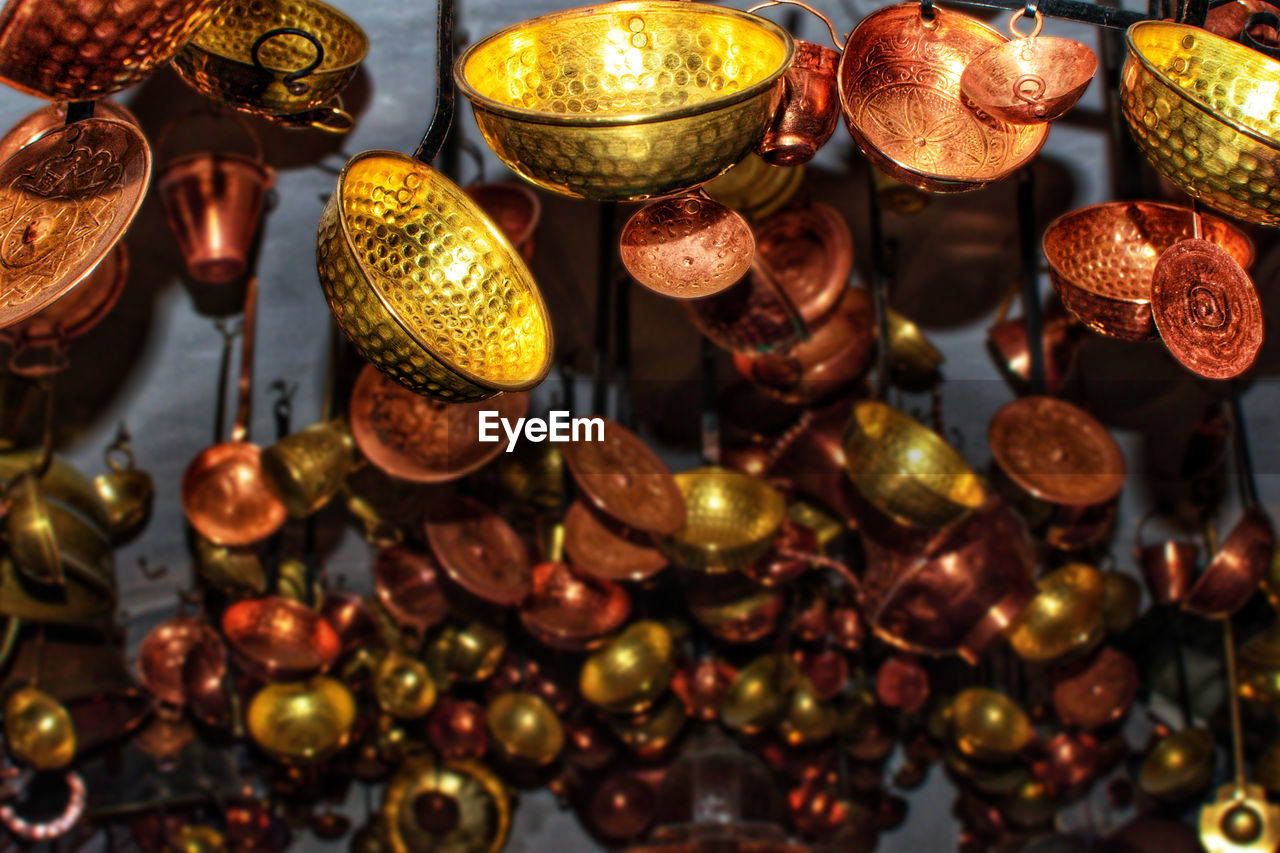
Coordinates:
(470, 652)
(426, 287)
(648, 736)
(1240, 820)
(760, 694)
(899, 83)
(731, 519)
(910, 351)
(1101, 260)
(1178, 766)
(65, 201)
(38, 730)
(631, 670)
(307, 469)
(988, 726)
(219, 60)
(525, 728)
(755, 189)
(77, 50)
(403, 686)
(906, 470)
(1259, 667)
(301, 722)
(448, 807)
(1202, 108)
(629, 100)
(1065, 615)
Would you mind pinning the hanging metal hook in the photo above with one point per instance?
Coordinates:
(446, 91)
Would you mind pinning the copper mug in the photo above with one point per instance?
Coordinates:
(1168, 566)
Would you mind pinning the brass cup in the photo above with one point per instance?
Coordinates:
(301, 723)
(38, 730)
(632, 670)
(911, 353)
(906, 470)
(309, 467)
(235, 571)
(759, 695)
(29, 529)
(988, 726)
(403, 686)
(731, 518)
(525, 728)
(1064, 616)
(1178, 766)
(446, 807)
(126, 492)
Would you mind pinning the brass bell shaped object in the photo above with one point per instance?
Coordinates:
(630, 671)
(525, 728)
(38, 730)
(403, 686)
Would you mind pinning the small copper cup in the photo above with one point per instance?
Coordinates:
(1235, 572)
(810, 107)
(1167, 566)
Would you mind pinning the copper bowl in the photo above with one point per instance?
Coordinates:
(570, 611)
(953, 592)
(79, 311)
(1101, 260)
(899, 83)
(1234, 573)
(163, 654)
(479, 551)
(409, 588)
(603, 549)
(514, 208)
(277, 639)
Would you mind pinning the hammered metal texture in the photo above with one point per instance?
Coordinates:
(906, 470)
(626, 101)
(731, 519)
(899, 84)
(1101, 259)
(425, 286)
(84, 49)
(218, 61)
(65, 201)
(1204, 110)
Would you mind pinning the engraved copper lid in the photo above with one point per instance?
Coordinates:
(1234, 573)
(479, 551)
(570, 611)
(687, 247)
(626, 480)
(420, 439)
(408, 586)
(607, 551)
(1206, 309)
(1093, 694)
(65, 200)
(1101, 260)
(80, 310)
(1057, 452)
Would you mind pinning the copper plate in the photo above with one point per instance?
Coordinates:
(1206, 309)
(603, 551)
(80, 310)
(408, 587)
(899, 84)
(1233, 575)
(1056, 451)
(479, 551)
(687, 247)
(1099, 692)
(1101, 260)
(626, 480)
(569, 611)
(65, 200)
(420, 439)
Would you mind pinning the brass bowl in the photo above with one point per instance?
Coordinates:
(1203, 110)
(72, 50)
(244, 58)
(626, 101)
(899, 84)
(426, 287)
(631, 670)
(989, 726)
(1064, 616)
(525, 728)
(906, 470)
(731, 520)
(1101, 259)
(450, 807)
(302, 722)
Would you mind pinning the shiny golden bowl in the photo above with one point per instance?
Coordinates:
(525, 728)
(630, 671)
(454, 807)
(302, 722)
(906, 470)
(426, 287)
(1204, 111)
(1064, 616)
(988, 726)
(626, 101)
(731, 519)
(293, 74)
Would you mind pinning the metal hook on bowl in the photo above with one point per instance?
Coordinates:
(928, 14)
(293, 80)
(835, 36)
(1259, 20)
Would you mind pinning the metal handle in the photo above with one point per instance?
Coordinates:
(240, 431)
(446, 91)
(332, 119)
(1022, 13)
(1261, 19)
(292, 80)
(835, 36)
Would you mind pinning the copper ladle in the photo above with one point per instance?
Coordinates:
(687, 247)
(225, 494)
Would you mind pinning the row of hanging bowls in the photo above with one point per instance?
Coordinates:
(285, 60)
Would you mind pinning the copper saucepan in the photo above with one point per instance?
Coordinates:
(899, 84)
(225, 494)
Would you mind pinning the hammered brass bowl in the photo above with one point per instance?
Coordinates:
(450, 807)
(731, 518)
(302, 722)
(426, 287)
(1064, 616)
(630, 671)
(626, 101)
(987, 725)
(250, 56)
(1203, 109)
(906, 470)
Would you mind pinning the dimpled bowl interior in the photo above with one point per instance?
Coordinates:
(731, 519)
(425, 285)
(1101, 259)
(218, 61)
(1205, 111)
(628, 100)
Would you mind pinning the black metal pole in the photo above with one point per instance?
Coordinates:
(622, 352)
(606, 283)
(879, 285)
(1028, 241)
(1243, 453)
(710, 415)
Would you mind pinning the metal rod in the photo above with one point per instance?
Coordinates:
(622, 352)
(1243, 454)
(606, 283)
(1233, 703)
(879, 284)
(1071, 10)
(446, 92)
(1028, 241)
(710, 415)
